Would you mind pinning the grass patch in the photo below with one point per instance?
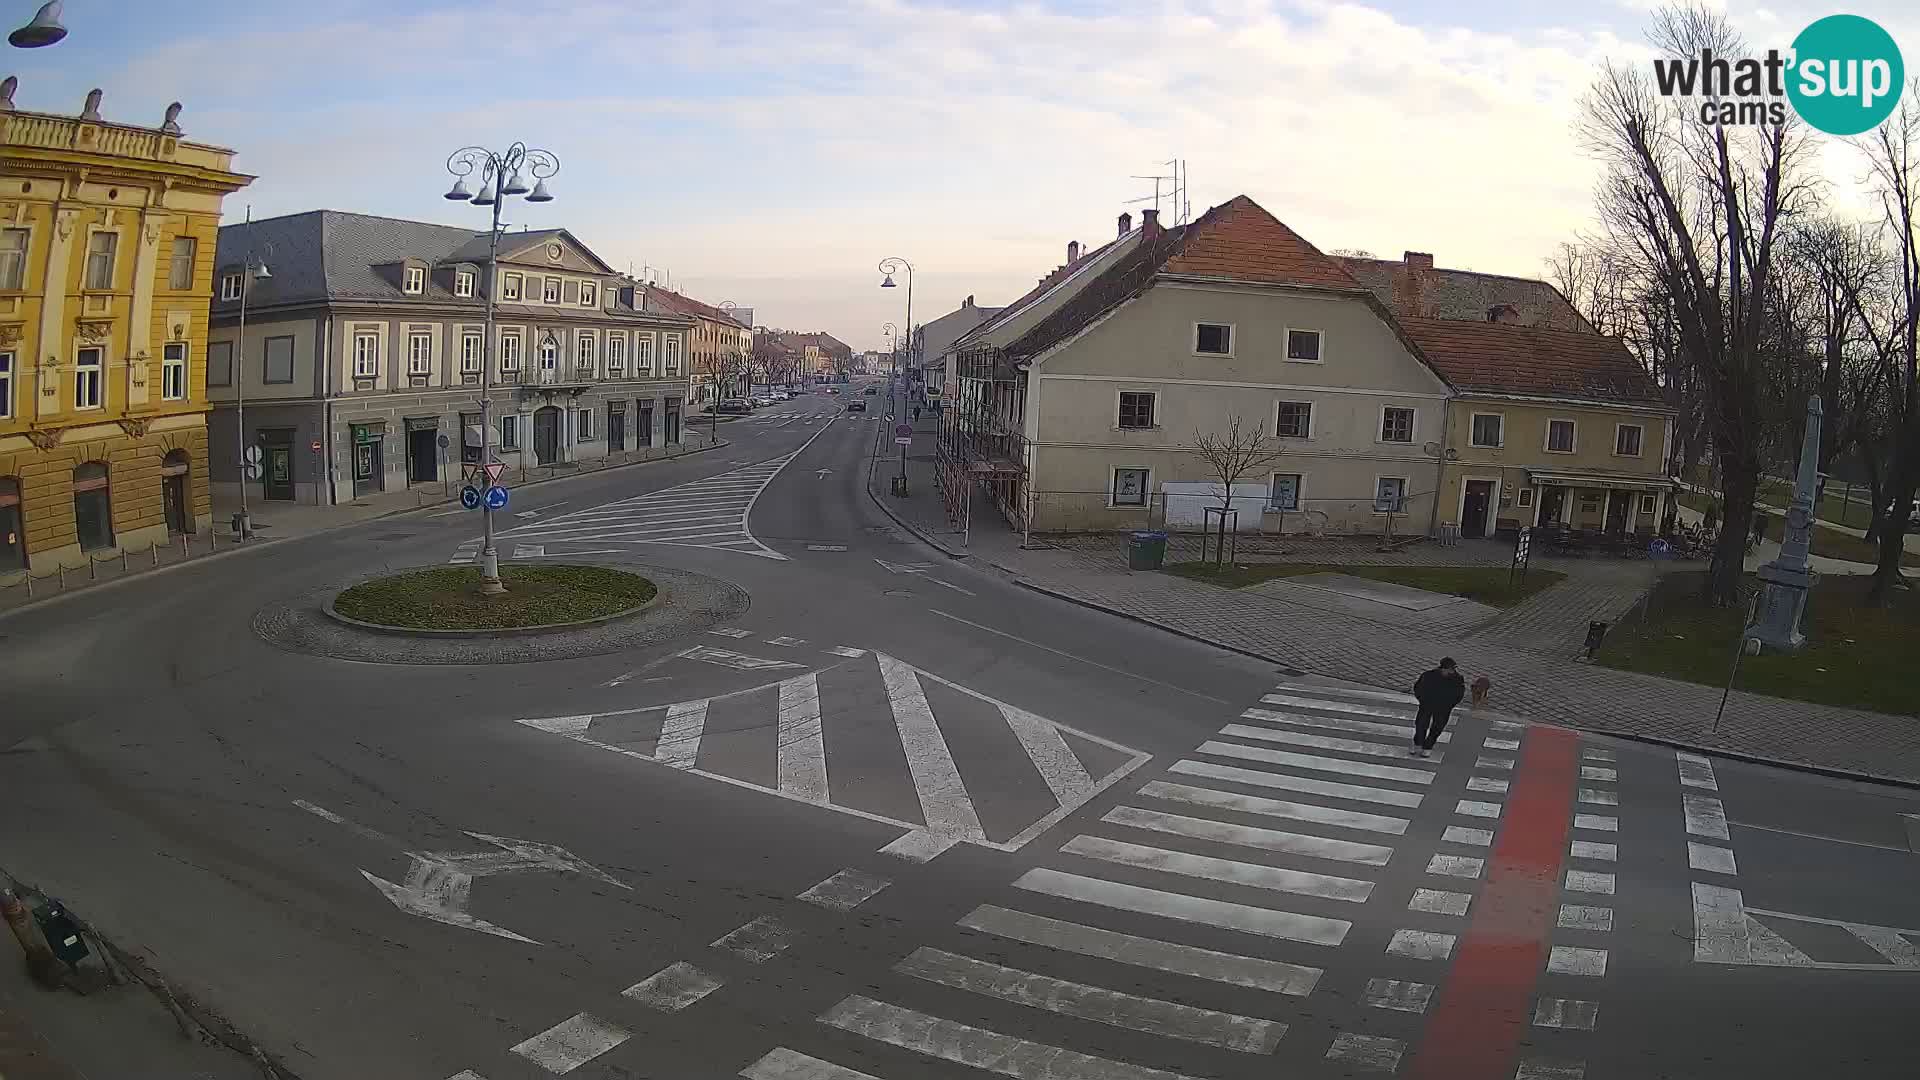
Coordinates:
(1857, 656)
(1484, 584)
(1828, 543)
(449, 598)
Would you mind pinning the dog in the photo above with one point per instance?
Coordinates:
(1481, 687)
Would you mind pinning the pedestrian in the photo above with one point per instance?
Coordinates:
(1759, 527)
(1437, 691)
(916, 412)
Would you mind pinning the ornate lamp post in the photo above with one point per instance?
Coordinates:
(251, 272)
(502, 174)
(890, 267)
(44, 30)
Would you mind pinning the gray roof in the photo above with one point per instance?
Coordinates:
(475, 250)
(329, 254)
(938, 336)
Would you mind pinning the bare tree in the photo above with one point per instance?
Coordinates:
(1233, 455)
(724, 369)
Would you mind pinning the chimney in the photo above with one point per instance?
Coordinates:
(1410, 283)
(969, 302)
(1073, 252)
(1126, 223)
(1149, 224)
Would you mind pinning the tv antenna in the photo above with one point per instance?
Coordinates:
(1171, 188)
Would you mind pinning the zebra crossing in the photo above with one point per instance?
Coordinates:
(953, 764)
(710, 513)
(1229, 880)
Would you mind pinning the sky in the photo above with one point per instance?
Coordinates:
(772, 153)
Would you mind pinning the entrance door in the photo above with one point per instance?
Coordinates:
(1619, 504)
(369, 468)
(423, 455)
(546, 435)
(13, 530)
(643, 433)
(616, 431)
(1553, 506)
(279, 471)
(1473, 514)
(673, 422)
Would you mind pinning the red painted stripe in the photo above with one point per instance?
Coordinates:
(1484, 1006)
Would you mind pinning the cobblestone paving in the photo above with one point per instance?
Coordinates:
(1554, 620)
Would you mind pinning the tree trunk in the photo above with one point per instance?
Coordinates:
(1893, 530)
(1739, 478)
(1876, 493)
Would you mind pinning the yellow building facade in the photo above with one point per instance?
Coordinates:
(107, 241)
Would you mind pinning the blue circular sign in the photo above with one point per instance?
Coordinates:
(470, 497)
(496, 498)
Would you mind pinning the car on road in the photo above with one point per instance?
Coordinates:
(735, 407)
(833, 389)
(872, 390)
(762, 400)
(782, 395)
(856, 405)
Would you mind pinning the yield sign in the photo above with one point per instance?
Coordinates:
(494, 469)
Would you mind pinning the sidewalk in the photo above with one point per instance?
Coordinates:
(1529, 684)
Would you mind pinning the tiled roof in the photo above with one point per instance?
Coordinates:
(329, 253)
(1464, 294)
(1054, 277)
(682, 304)
(1532, 361)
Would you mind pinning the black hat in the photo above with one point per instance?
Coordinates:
(1446, 661)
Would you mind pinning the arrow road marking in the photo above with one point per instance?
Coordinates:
(823, 473)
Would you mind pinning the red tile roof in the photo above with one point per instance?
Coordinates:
(680, 304)
(1425, 291)
(1532, 361)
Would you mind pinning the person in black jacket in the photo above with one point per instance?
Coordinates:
(1437, 691)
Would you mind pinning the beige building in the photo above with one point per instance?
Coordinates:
(107, 235)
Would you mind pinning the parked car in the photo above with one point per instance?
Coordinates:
(735, 407)
(762, 400)
(856, 405)
(833, 389)
(782, 395)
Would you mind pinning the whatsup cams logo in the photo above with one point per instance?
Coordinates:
(1843, 75)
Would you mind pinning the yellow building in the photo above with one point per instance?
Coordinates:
(107, 237)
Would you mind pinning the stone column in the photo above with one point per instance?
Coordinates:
(51, 344)
(1786, 578)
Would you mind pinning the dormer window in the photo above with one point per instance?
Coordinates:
(589, 294)
(413, 280)
(230, 286)
(463, 283)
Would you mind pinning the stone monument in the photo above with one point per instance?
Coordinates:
(1783, 598)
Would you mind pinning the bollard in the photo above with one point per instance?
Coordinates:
(29, 584)
(123, 560)
(63, 577)
(93, 569)
(154, 551)
(186, 551)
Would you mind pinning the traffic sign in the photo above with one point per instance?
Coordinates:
(903, 440)
(314, 446)
(470, 497)
(253, 471)
(496, 498)
(443, 441)
(494, 469)
(905, 430)
(252, 455)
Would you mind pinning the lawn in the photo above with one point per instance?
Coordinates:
(449, 598)
(1827, 542)
(1485, 584)
(1856, 656)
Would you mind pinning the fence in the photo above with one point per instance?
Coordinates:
(36, 580)
(1100, 511)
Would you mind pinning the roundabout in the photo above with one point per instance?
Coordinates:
(448, 600)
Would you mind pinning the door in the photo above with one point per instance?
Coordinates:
(423, 455)
(13, 530)
(616, 431)
(279, 474)
(1473, 512)
(546, 435)
(369, 468)
(643, 431)
(673, 423)
(1553, 506)
(1619, 504)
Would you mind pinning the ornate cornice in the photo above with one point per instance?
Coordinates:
(134, 426)
(12, 334)
(93, 331)
(44, 440)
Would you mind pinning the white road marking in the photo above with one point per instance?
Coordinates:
(1551, 1070)
(1398, 995)
(845, 890)
(1397, 732)
(919, 846)
(1320, 742)
(1494, 763)
(1324, 705)
(561, 725)
(1420, 945)
(1461, 834)
(1315, 847)
(673, 987)
(1254, 804)
(1585, 917)
(758, 941)
(1318, 764)
(1289, 782)
(728, 658)
(785, 1064)
(1065, 776)
(949, 585)
(1574, 960)
(679, 743)
(847, 651)
(726, 631)
(786, 642)
(826, 547)
(1476, 809)
(1266, 922)
(1566, 1013)
(1228, 968)
(1706, 816)
(1440, 902)
(979, 1048)
(802, 747)
(1208, 868)
(1367, 1053)
(571, 1043)
(1594, 772)
(1460, 866)
(1696, 771)
(528, 551)
(1502, 744)
(1590, 881)
(1246, 1034)
(944, 801)
(1588, 849)
(1596, 822)
(1487, 785)
(1594, 753)
(1598, 797)
(1832, 839)
(1347, 691)
(1718, 860)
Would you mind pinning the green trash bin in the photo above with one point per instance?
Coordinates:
(1146, 550)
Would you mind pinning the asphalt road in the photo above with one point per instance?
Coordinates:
(903, 819)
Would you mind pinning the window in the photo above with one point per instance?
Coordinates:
(1389, 494)
(173, 371)
(1304, 346)
(510, 432)
(13, 258)
(366, 355)
(230, 286)
(550, 290)
(414, 281)
(616, 355)
(87, 378)
(277, 365)
(1560, 436)
(1295, 420)
(220, 363)
(1646, 504)
(589, 294)
(419, 353)
(585, 428)
(101, 247)
(643, 354)
(1285, 494)
(584, 353)
(1129, 487)
(1396, 424)
(471, 346)
(180, 269)
(463, 283)
(92, 506)
(6, 385)
(1626, 440)
(1136, 411)
(1213, 338)
(510, 287)
(1526, 496)
(549, 354)
(1488, 430)
(510, 351)
(671, 357)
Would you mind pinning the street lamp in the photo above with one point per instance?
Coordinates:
(44, 30)
(890, 267)
(502, 174)
(250, 272)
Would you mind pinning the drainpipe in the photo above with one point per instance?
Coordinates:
(326, 406)
(1440, 473)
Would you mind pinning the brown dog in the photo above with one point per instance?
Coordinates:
(1481, 686)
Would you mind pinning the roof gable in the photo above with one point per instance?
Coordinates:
(1533, 361)
(539, 248)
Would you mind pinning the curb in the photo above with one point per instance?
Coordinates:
(340, 527)
(1678, 744)
(503, 631)
(873, 465)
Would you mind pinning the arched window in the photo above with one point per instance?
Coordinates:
(13, 526)
(92, 506)
(173, 491)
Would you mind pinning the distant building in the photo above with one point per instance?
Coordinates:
(937, 338)
(721, 341)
